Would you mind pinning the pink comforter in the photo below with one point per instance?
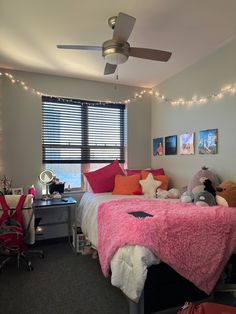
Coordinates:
(195, 241)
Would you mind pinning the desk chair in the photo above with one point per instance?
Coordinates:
(19, 251)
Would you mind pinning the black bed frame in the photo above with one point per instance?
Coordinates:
(164, 288)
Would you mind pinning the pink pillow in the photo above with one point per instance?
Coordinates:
(103, 180)
(131, 172)
(155, 172)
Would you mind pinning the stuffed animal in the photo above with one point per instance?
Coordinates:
(187, 197)
(209, 187)
(161, 194)
(196, 185)
(226, 194)
(172, 193)
(204, 199)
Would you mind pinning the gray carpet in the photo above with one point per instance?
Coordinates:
(62, 283)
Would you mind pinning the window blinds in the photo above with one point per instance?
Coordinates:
(77, 131)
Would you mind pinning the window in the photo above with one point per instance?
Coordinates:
(78, 133)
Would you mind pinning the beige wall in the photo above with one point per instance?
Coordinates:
(20, 121)
(139, 130)
(202, 79)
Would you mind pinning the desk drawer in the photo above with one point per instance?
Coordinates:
(52, 231)
(52, 215)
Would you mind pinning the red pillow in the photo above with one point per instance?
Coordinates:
(155, 172)
(103, 180)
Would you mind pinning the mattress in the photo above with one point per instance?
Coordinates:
(129, 264)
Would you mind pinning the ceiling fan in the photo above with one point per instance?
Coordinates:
(117, 50)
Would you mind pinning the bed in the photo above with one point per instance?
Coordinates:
(133, 267)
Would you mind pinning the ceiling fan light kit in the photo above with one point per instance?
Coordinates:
(115, 58)
(114, 52)
(117, 50)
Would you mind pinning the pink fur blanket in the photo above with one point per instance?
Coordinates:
(195, 241)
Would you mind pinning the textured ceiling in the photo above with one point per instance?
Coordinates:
(190, 29)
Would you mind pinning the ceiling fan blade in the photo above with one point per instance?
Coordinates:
(151, 54)
(80, 47)
(110, 68)
(123, 27)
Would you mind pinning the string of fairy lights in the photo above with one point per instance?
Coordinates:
(22, 83)
(230, 89)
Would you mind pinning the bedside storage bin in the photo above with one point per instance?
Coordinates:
(79, 240)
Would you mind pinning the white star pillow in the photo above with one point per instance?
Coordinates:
(149, 186)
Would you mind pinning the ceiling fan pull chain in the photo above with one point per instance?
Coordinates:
(116, 77)
(115, 87)
(117, 73)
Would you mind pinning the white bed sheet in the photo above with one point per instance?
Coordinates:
(129, 264)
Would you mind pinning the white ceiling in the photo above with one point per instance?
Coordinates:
(190, 29)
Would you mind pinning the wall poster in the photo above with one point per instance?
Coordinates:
(171, 145)
(158, 149)
(208, 141)
(186, 144)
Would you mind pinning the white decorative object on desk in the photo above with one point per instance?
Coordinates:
(56, 195)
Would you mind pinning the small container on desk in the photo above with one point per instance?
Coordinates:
(56, 187)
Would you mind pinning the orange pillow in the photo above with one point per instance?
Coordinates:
(164, 179)
(127, 185)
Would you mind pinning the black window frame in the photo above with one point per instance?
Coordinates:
(83, 135)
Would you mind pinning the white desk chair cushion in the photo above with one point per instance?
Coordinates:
(12, 201)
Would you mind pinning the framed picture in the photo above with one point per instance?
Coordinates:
(208, 141)
(17, 191)
(158, 146)
(171, 145)
(186, 144)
